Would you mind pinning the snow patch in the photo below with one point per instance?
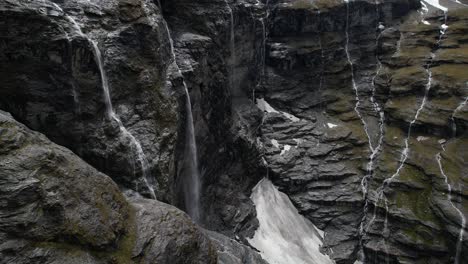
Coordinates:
(436, 4)
(331, 125)
(286, 148)
(421, 138)
(263, 105)
(275, 143)
(284, 236)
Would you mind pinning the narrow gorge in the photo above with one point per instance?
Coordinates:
(233, 131)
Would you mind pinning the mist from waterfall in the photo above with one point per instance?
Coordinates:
(284, 236)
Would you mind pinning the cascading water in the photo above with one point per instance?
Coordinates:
(191, 177)
(232, 47)
(376, 150)
(405, 152)
(353, 80)
(459, 212)
(141, 157)
(284, 236)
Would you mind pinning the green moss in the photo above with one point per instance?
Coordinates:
(460, 53)
(302, 4)
(326, 4)
(123, 254)
(456, 72)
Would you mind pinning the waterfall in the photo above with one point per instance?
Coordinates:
(141, 157)
(232, 47)
(459, 212)
(353, 81)
(376, 150)
(283, 235)
(191, 176)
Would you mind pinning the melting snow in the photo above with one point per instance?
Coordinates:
(263, 105)
(284, 236)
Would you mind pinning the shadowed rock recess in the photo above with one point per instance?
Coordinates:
(355, 112)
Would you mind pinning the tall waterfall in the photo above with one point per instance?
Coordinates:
(141, 157)
(284, 236)
(191, 175)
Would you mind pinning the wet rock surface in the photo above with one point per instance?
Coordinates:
(58, 209)
(354, 109)
(52, 82)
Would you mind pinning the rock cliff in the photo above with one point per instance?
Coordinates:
(355, 109)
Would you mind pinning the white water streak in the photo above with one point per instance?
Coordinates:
(192, 182)
(355, 87)
(459, 212)
(141, 157)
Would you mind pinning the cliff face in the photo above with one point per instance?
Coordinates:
(354, 109)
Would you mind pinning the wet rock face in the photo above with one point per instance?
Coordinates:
(319, 142)
(58, 209)
(53, 200)
(359, 120)
(53, 84)
(225, 126)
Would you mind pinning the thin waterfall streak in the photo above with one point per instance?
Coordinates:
(370, 164)
(108, 102)
(459, 212)
(353, 81)
(193, 190)
(405, 152)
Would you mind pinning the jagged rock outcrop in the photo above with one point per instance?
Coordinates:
(58, 209)
(319, 142)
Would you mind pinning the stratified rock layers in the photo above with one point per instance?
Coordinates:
(339, 86)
